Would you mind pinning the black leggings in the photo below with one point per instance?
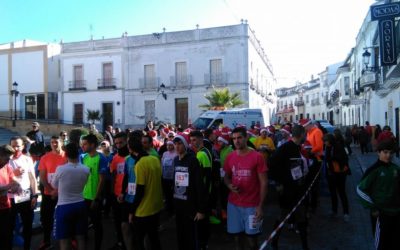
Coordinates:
(337, 186)
(47, 208)
(26, 212)
(147, 226)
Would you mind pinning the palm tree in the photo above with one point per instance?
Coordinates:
(221, 99)
(93, 115)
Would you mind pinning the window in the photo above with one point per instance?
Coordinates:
(149, 76)
(78, 113)
(107, 74)
(78, 76)
(181, 73)
(216, 71)
(307, 101)
(347, 85)
(149, 110)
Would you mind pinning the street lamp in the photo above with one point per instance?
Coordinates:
(14, 92)
(366, 59)
(162, 90)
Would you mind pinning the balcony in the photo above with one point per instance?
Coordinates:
(392, 83)
(315, 102)
(368, 79)
(149, 83)
(345, 99)
(77, 85)
(216, 80)
(299, 103)
(181, 82)
(106, 83)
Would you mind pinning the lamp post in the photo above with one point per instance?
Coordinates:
(162, 90)
(14, 92)
(366, 59)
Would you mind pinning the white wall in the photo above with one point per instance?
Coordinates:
(196, 55)
(27, 71)
(92, 67)
(92, 100)
(4, 90)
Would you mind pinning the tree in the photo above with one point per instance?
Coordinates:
(221, 99)
(93, 115)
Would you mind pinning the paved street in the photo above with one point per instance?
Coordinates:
(324, 233)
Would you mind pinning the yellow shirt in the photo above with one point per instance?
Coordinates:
(267, 143)
(148, 173)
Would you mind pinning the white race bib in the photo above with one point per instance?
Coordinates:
(50, 177)
(131, 188)
(181, 179)
(25, 195)
(253, 223)
(120, 168)
(296, 173)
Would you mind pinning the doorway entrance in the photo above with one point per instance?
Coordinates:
(108, 114)
(181, 112)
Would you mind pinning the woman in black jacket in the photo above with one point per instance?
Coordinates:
(337, 170)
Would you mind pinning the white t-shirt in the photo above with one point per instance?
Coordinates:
(25, 163)
(70, 180)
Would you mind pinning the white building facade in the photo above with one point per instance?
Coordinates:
(164, 76)
(92, 77)
(34, 67)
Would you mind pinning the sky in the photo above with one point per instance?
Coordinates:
(300, 38)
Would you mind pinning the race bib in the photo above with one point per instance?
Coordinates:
(296, 173)
(25, 195)
(50, 177)
(222, 172)
(131, 188)
(181, 179)
(253, 223)
(120, 168)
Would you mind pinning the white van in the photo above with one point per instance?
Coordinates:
(231, 118)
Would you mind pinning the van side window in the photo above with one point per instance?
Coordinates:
(216, 124)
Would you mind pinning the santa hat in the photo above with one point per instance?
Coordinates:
(304, 122)
(187, 131)
(286, 129)
(152, 133)
(226, 131)
(181, 138)
(171, 134)
(305, 148)
(224, 138)
(217, 132)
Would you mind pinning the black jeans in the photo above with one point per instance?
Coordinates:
(389, 231)
(47, 208)
(26, 212)
(337, 186)
(186, 232)
(147, 226)
(168, 189)
(6, 229)
(117, 213)
(95, 218)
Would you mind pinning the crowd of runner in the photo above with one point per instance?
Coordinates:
(205, 177)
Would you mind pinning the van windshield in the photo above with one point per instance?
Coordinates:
(202, 123)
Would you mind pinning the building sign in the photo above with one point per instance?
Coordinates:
(388, 42)
(385, 11)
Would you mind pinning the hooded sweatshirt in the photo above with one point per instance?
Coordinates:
(190, 192)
